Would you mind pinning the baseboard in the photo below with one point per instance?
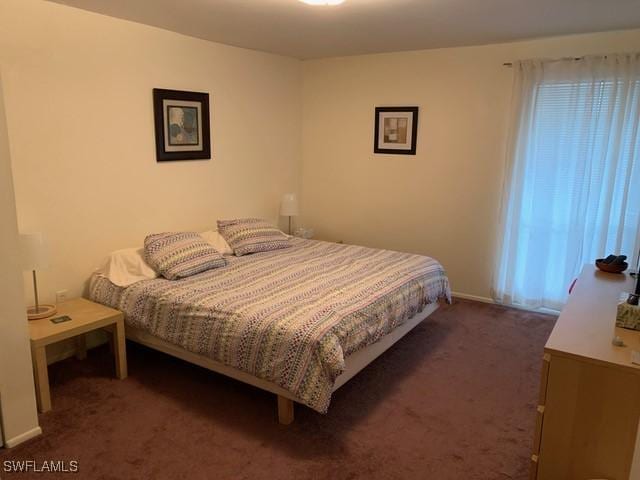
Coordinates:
(476, 298)
(23, 437)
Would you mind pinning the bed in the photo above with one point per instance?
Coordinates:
(298, 322)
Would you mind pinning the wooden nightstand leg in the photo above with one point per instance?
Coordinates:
(120, 350)
(81, 347)
(41, 377)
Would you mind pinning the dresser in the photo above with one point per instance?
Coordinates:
(589, 402)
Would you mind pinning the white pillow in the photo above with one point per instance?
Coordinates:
(127, 266)
(217, 241)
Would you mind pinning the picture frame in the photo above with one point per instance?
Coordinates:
(396, 130)
(182, 126)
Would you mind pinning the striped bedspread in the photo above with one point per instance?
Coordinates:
(289, 316)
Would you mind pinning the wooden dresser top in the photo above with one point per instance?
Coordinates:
(586, 325)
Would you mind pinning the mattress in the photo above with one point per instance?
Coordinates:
(289, 316)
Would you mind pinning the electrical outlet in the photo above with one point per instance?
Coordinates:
(61, 295)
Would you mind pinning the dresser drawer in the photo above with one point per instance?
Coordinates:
(589, 421)
(533, 468)
(544, 379)
(542, 398)
(537, 438)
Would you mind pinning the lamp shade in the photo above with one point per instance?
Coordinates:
(34, 251)
(289, 205)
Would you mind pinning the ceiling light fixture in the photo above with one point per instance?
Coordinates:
(322, 2)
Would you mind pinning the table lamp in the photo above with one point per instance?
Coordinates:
(289, 207)
(35, 257)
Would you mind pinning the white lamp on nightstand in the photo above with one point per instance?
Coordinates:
(35, 257)
(289, 207)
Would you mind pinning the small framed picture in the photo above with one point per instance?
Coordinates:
(182, 125)
(396, 130)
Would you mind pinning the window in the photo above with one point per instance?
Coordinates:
(573, 189)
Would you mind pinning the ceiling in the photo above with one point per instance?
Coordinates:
(292, 28)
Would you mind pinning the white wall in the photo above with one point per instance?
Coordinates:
(17, 396)
(79, 105)
(443, 202)
(78, 88)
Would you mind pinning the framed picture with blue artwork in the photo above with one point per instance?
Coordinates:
(182, 125)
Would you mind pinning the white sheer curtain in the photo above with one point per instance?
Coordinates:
(572, 187)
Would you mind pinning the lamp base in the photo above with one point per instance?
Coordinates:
(43, 311)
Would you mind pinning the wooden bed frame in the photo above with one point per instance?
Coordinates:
(353, 363)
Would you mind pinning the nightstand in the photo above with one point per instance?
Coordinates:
(306, 233)
(86, 316)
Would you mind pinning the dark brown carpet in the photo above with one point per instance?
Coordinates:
(455, 399)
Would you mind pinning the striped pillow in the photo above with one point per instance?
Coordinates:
(179, 255)
(252, 235)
